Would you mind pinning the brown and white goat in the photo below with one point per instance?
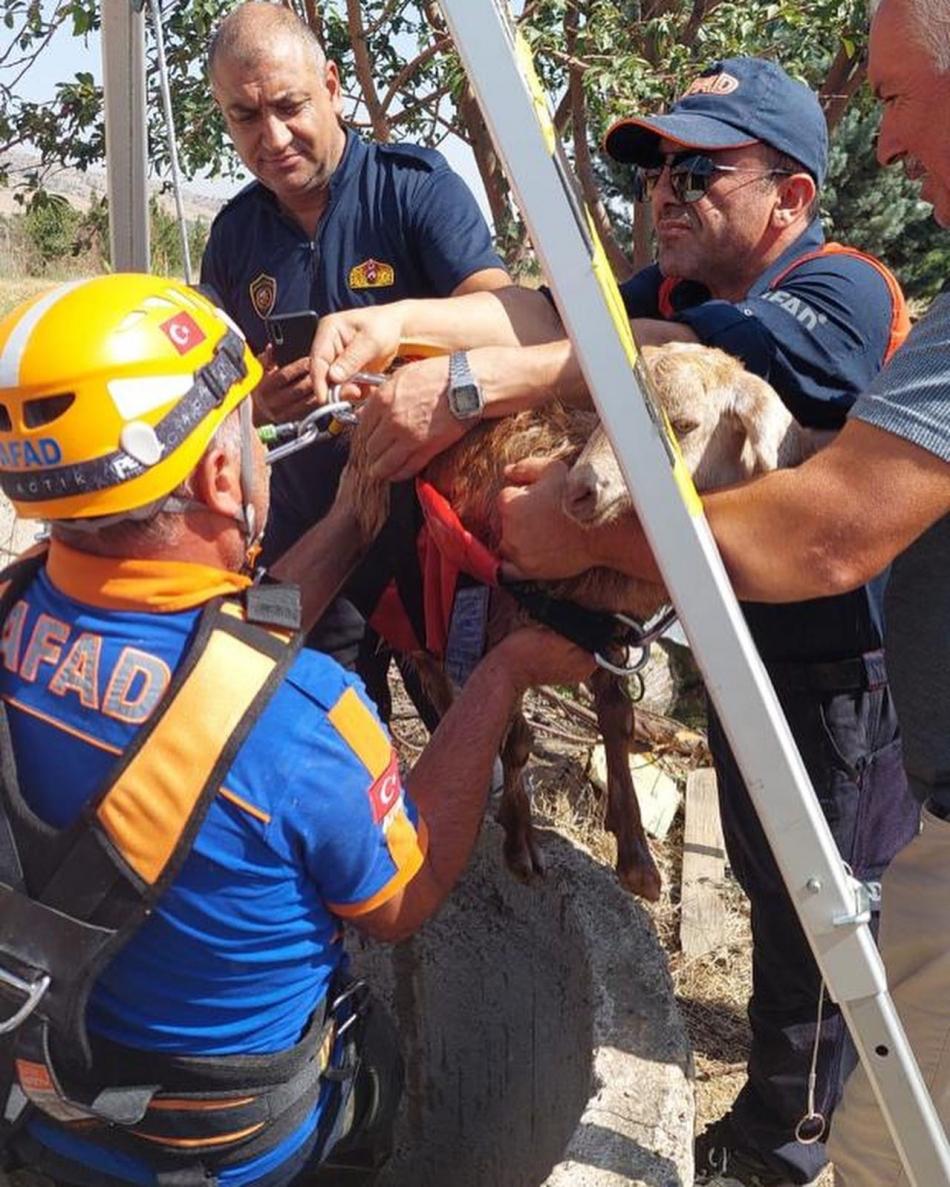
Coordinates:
(730, 425)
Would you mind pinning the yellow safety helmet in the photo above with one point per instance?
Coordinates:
(110, 391)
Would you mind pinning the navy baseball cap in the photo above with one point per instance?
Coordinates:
(734, 102)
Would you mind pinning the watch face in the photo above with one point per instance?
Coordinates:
(466, 400)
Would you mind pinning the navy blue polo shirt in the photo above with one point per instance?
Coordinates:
(399, 223)
(819, 337)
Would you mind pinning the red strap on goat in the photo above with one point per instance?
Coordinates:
(449, 548)
(454, 541)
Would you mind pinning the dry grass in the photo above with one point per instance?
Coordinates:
(13, 291)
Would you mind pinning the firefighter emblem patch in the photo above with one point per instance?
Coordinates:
(263, 290)
(371, 274)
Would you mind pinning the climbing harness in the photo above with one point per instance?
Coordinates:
(596, 631)
(71, 898)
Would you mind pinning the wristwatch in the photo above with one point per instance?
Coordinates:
(464, 396)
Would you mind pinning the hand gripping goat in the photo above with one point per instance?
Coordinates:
(730, 425)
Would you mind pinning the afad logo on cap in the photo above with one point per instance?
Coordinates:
(712, 84)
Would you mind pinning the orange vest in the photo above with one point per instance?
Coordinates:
(900, 316)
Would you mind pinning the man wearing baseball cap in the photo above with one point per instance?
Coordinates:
(732, 172)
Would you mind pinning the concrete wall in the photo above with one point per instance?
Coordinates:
(542, 1041)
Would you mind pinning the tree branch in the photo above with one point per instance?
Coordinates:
(382, 19)
(407, 113)
(364, 71)
(844, 78)
(619, 263)
(409, 69)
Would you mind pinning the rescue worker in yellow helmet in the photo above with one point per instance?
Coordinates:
(189, 807)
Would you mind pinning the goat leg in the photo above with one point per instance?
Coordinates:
(635, 866)
(514, 812)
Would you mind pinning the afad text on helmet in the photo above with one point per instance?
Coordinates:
(21, 455)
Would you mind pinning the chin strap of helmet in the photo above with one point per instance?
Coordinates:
(252, 529)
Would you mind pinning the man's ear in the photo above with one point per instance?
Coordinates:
(216, 482)
(331, 78)
(795, 195)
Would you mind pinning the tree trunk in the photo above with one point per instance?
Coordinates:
(845, 76)
(619, 263)
(364, 72)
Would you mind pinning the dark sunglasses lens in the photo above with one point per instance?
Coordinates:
(690, 178)
(645, 178)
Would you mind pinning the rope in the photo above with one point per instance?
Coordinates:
(156, 11)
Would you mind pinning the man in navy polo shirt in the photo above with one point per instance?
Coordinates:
(331, 222)
(732, 173)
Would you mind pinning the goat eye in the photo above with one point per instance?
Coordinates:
(683, 428)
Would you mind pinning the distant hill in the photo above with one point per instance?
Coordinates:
(78, 188)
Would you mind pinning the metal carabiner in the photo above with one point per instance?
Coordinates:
(303, 433)
(33, 990)
(363, 378)
(634, 668)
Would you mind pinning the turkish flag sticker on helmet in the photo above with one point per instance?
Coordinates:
(183, 332)
(386, 792)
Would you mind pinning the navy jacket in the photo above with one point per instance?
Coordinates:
(819, 337)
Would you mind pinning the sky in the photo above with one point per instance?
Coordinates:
(66, 55)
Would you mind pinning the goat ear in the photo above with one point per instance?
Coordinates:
(765, 419)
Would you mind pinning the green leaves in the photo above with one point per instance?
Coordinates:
(629, 55)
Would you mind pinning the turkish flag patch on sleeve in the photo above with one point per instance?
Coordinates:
(386, 792)
(183, 332)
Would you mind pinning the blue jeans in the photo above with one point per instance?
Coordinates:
(843, 721)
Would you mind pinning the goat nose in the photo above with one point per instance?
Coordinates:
(582, 494)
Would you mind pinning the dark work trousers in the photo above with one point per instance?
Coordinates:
(843, 721)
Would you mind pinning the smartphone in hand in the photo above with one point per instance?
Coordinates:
(291, 335)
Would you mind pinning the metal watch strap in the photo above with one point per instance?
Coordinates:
(464, 393)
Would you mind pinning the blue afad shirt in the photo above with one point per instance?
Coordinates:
(311, 823)
(819, 337)
(399, 223)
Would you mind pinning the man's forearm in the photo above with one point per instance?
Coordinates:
(516, 378)
(833, 523)
(512, 316)
(321, 561)
(450, 781)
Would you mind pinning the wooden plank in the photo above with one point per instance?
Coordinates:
(702, 910)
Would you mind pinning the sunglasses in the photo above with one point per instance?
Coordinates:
(691, 175)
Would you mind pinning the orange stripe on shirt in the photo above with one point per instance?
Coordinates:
(357, 726)
(408, 849)
(61, 725)
(251, 809)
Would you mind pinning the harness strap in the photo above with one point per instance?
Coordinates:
(900, 314)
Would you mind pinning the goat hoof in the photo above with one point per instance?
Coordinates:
(642, 880)
(524, 860)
